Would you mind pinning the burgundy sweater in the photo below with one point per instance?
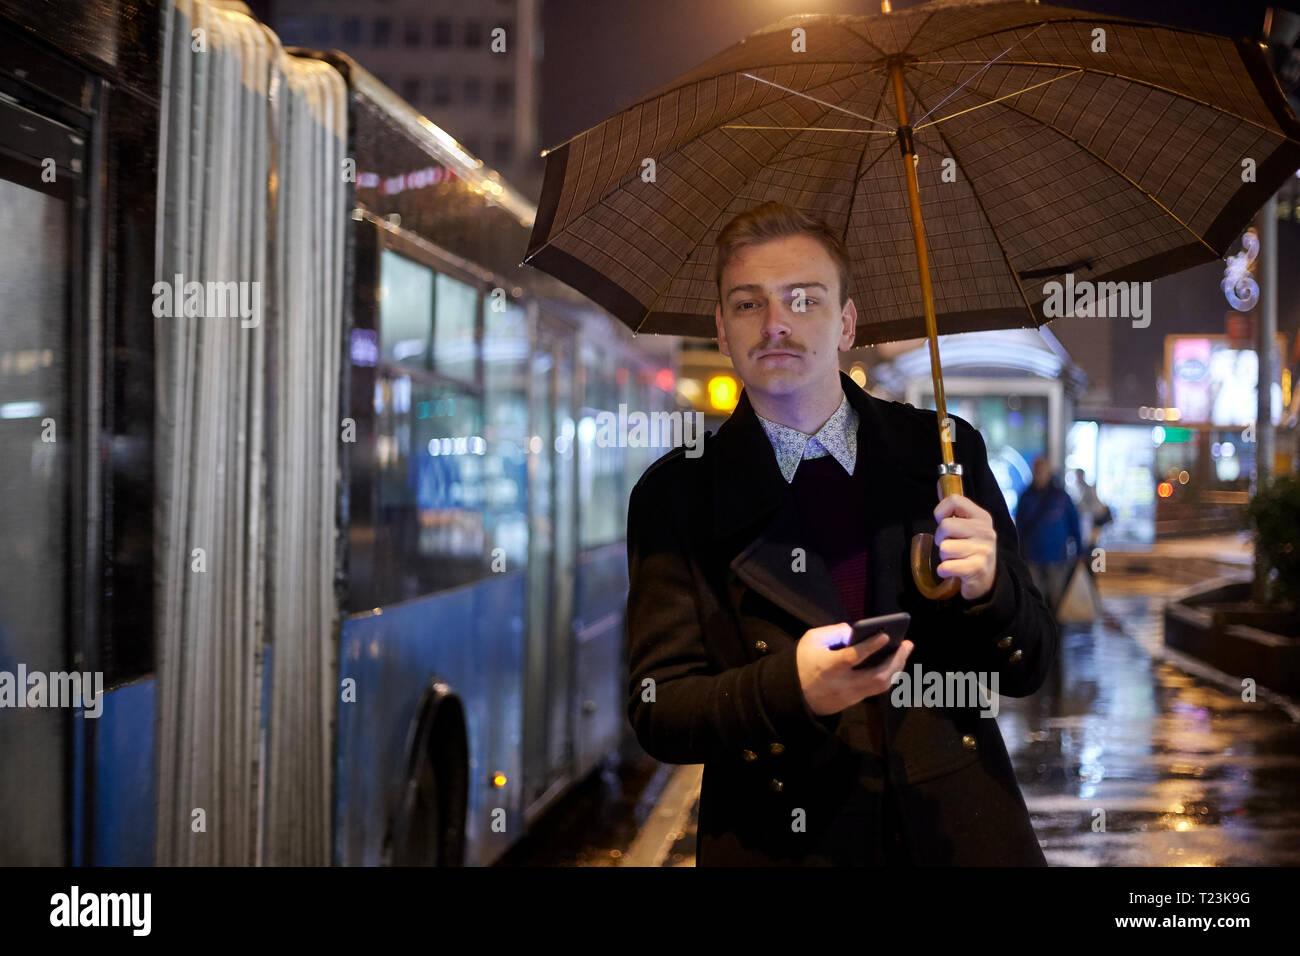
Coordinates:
(833, 506)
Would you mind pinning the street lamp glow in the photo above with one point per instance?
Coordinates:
(723, 392)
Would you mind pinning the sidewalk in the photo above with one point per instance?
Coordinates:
(1184, 561)
(1231, 549)
(1133, 754)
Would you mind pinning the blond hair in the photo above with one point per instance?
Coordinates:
(774, 220)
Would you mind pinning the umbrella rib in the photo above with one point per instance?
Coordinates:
(985, 213)
(975, 74)
(871, 43)
(999, 99)
(840, 109)
(1120, 76)
(814, 129)
(860, 172)
(815, 153)
(1109, 165)
(856, 181)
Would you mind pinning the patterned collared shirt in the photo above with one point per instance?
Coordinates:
(838, 437)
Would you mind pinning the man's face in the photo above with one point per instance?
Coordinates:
(780, 319)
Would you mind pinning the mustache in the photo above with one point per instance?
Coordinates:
(776, 347)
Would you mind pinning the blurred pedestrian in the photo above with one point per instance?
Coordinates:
(1097, 514)
(1047, 522)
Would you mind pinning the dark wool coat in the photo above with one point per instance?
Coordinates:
(717, 604)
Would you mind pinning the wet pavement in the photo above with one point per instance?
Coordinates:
(1129, 755)
(1186, 772)
(597, 822)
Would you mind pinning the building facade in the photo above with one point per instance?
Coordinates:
(471, 68)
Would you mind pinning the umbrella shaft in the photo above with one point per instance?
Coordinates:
(922, 261)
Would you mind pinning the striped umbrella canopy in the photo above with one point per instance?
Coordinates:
(975, 156)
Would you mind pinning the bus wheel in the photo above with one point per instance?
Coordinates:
(428, 828)
(421, 842)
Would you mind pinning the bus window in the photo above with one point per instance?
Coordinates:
(505, 465)
(600, 450)
(405, 311)
(429, 450)
(455, 329)
(430, 446)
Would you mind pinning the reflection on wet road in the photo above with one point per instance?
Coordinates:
(1179, 771)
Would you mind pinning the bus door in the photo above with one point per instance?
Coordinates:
(548, 677)
(44, 378)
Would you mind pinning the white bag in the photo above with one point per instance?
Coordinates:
(1077, 605)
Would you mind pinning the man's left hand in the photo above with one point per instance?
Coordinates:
(968, 545)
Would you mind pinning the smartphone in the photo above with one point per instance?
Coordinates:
(895, 625)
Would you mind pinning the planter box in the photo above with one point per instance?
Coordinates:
(1259, 643)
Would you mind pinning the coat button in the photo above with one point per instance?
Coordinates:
(1016, 656)
(968, 742)
(776, 748)
(760, 646)
(749, 755)
(1005, 642)
(778, 786)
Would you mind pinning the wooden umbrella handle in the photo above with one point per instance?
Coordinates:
(928, 583)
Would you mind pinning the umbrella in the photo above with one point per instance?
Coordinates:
(1002, 150)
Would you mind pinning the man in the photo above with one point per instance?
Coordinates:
(1090, 506)
(749, 562)
(1047, 521)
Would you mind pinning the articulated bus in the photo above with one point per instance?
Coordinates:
(300, 463)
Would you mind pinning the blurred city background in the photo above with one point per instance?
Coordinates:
(474, 387)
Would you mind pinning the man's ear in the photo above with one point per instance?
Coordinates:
(722, 333)
(849, 323)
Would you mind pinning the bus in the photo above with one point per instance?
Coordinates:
(300, 463)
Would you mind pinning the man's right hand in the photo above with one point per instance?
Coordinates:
(827, 676)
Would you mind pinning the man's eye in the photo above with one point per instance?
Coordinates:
(741, 307)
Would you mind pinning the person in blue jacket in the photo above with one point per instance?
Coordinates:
(1047, 520)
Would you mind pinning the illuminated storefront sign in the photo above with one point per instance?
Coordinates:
(1213, 383)
(1119, 461)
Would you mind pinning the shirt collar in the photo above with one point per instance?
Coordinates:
(838, 438)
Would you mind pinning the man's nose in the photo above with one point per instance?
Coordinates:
(777, 324)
